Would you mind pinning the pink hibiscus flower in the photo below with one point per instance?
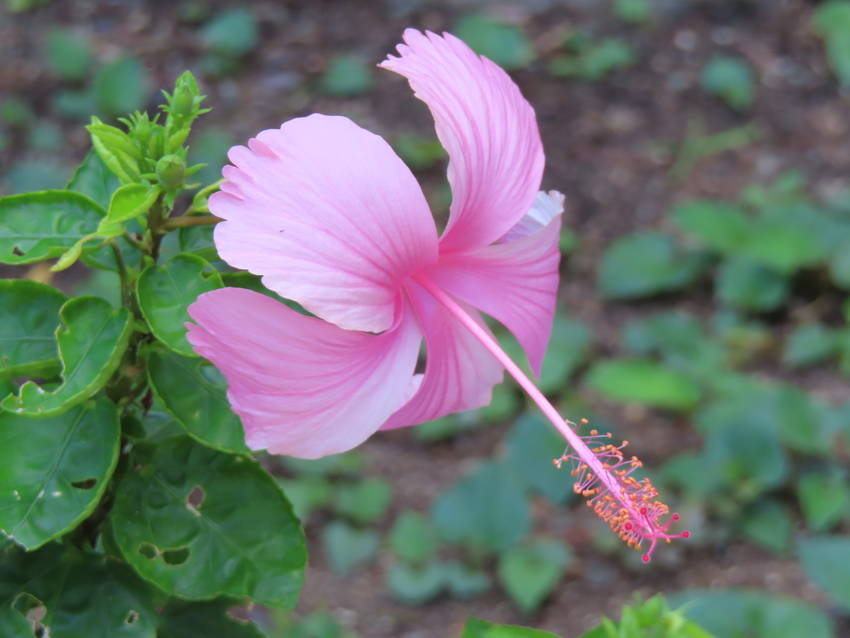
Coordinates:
(331, 217)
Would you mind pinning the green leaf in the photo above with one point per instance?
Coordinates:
(503, 43)
(93, 179)
(747, 285)
(91, 340)
(53, 471)
(569, 347)
(645, 264)
(463, 581)
(121, 86)
(825, 559)
(824, 498)
(730, 613)
(731, 79)
(208, 619)
(412, 537)
(365, 501)
(29, 318)
(41, 225)
(231, 33)
(486, 511)
(347, 76)
(719, 225)
(69, 57)
(307, 494)
(532, 445)
(477, 628)
(810, 344)
(75, 595)
(652, 618)
(199, 523)
(784, 246)
(839, 266)
(633, 11)
(531, 571)
(832, 21)
(130, 200)
(198, 240)
(166, 291)
(768, 524)
(418, 151)
(643, 381)
(193, 391)
(116, 150)
(347, 547)
(673, 333)
(415, 585)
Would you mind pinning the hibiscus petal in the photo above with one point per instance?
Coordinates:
(459, 372)
(329, 216)
(515, 282)
(302, 386)
(488, 129)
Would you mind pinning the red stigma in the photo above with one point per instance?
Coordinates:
(675, 517)
(645, 558)
(643, 511)
(686, 534)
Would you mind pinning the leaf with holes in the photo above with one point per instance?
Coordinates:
(29, 317)
(53, 471)
(199, 523)
(92, 340)
(41, 225)
(164, 293)
(66, 594)
(193, 390)
(209, 619)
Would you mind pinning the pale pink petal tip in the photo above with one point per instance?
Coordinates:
(301, 386)
(546, 206)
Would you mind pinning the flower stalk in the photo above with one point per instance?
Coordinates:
(603, 474)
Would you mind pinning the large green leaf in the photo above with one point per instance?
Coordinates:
(193, 390)
(719, 225)
(208, 619)
(734, 613)
(29, 317)
(53, 471)
(825, 559)
(477, 628)
(92, 340)
(530, 572)
(532, 444)
(75, 596)
(200, 523)
(645, 264)
(94, 179)
(44, 224)
(165, 291)
(748, 285)
(643, 381)
(487, 510)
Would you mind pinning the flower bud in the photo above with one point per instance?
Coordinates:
(170, 171)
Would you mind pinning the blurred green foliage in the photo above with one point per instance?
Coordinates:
(503, 43)
(731, 79)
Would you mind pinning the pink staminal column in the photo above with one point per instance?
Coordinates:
(601, 470)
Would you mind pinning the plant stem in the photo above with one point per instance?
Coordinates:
(122, 273)
(173, 223)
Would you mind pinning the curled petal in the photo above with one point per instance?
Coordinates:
(488, 129)
(301, 386)
(459, 372)
(515, 282)
(329, 216)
